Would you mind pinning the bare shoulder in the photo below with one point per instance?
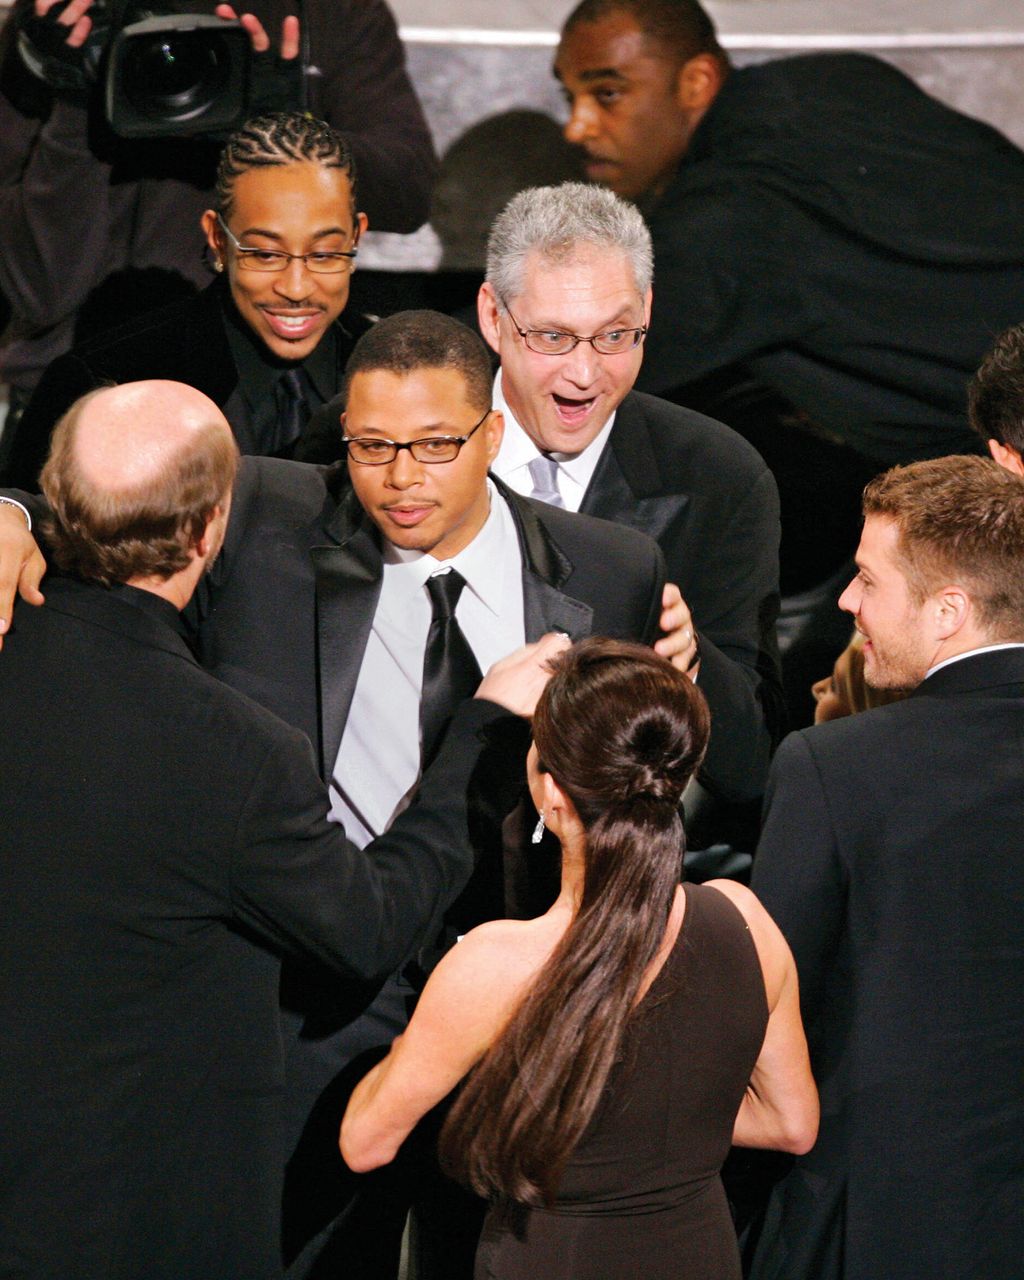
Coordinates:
(772, 949)
(743, 899)
(492, 963)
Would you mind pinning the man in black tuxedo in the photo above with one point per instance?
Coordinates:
(164, 842)
(95, 229)
(268, 340)
(348, 556)
(891, 859)
(566, 305)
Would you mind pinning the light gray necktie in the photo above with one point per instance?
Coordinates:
(544, 472)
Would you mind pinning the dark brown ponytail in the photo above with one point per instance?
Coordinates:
(621, 731)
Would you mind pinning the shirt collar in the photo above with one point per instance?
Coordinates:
(519, 450)
(481, 563)
(971, 653)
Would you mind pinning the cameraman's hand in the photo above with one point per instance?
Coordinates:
(257, 33)
(75, 17)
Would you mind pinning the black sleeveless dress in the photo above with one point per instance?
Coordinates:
(642, 1196)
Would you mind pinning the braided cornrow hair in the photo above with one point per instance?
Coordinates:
(278, 138)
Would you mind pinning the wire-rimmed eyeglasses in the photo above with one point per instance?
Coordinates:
(368, 451)
(320, 261)
(554, 342)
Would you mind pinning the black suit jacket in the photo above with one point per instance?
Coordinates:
(186, 342)
(286, 612)
(891, 859)
(706, 497)
(711, 504)
(163, 840)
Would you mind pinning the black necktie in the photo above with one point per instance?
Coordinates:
(450, 672)
(292, 409)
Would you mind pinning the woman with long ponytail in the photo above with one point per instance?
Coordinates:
(619, 1043)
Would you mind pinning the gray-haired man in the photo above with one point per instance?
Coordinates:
(566, 304)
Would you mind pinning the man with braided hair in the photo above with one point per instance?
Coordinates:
(94, 227)
(264, 340)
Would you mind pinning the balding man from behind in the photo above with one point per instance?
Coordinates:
(164, 841)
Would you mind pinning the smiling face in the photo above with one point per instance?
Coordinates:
(629, 106)
(900, 641)
(562, 402)
(298, 208)
(434, 507)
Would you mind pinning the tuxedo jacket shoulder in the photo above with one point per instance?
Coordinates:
(709, 501)
(707, 498)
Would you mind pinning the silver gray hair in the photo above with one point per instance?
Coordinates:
(554, 222)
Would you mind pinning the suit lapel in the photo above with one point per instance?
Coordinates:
(545, 568)
(348, 581)
(620, 488)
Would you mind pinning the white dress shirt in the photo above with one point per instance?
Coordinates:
(378, 764)
(517, 451)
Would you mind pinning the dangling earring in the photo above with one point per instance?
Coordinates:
(218, 265)
(538, 831)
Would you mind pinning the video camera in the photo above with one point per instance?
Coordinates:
(162, 73)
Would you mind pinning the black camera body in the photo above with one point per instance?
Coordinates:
(179, 73)
(161, 73)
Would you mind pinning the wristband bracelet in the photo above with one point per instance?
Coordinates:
(12, 502)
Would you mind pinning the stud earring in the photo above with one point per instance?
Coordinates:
(538, 831)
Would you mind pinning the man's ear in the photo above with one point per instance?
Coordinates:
(952, 611)
(212, 232)
(1007, 456)
(488, 314)
(495, 429)
(206, 540)
(698, 83)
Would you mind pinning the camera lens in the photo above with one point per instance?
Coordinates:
(176, 75)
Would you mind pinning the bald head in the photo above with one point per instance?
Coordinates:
(126, 437)
(135, 475)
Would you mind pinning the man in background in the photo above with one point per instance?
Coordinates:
(267, 340)
(811, 290)
(95, 228)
